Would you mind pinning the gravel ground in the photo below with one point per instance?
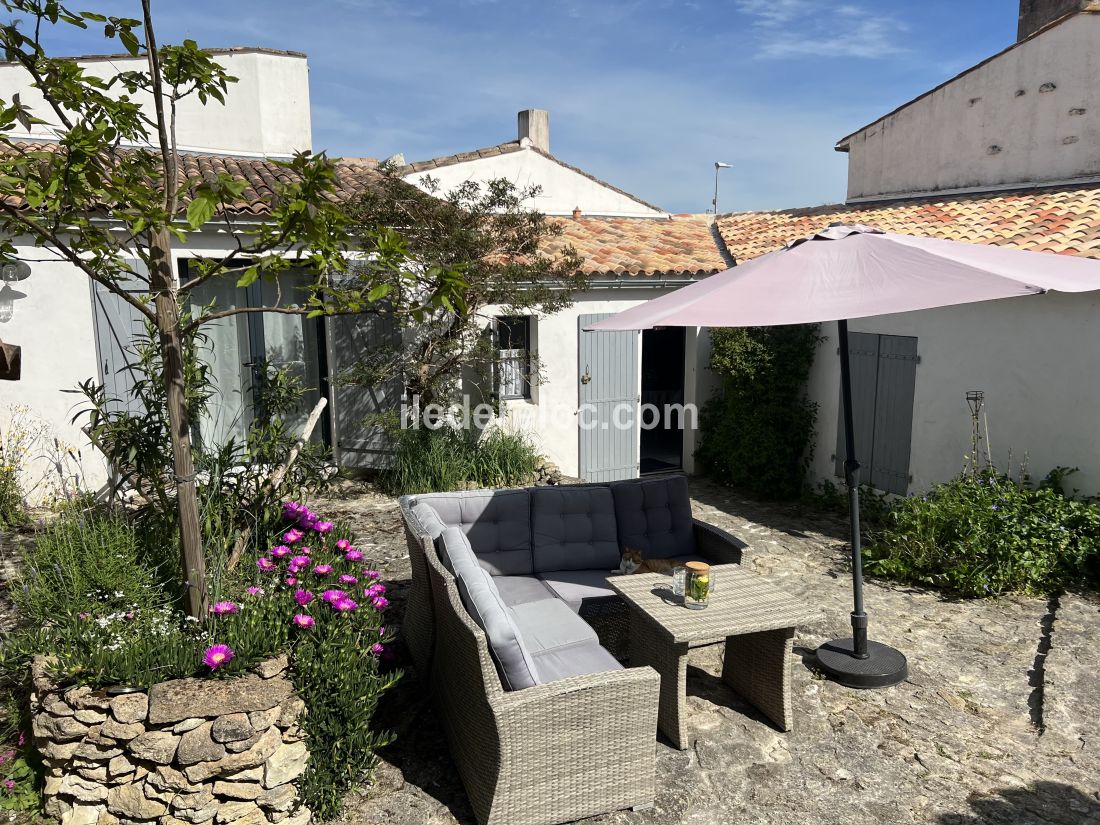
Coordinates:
(996, 724)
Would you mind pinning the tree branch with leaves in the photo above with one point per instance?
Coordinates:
(110, 189)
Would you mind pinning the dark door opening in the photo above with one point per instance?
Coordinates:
(662, 433)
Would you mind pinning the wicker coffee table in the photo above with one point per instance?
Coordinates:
(754, 618)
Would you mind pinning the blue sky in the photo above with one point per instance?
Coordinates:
(646, 94)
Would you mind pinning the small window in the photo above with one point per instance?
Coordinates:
(514, 356)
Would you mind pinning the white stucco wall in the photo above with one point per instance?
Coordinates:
(550, 416)
(562, 188)
(1035, 359)
(53, 324)
(266, 112)
(1028, 115)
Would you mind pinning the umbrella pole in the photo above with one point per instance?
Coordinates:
(851, 478)
(857, 662)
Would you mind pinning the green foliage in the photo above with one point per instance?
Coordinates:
(985, 534)
(874, 505)
(90, 563)
(756, 432)
(114, 626)
(12, 509)
(340, 680)
(477, 246)
(18, 783)
(427, 460)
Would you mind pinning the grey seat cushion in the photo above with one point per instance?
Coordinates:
(549, 624)
(573, 529)
(497, 522)
(574, 587)
(654, 517)
(517, 590)
(574, 660)
(482, 600)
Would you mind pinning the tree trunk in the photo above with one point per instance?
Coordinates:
(162, 285)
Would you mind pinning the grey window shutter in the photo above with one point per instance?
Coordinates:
(350, 338)
(863, 352)
(117, 326)
(897, 377)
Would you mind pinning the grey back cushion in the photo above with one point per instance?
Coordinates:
(654, 517)
(428, 518)
(574, 529)
(454, 550)
(497, 523)
(479, 595)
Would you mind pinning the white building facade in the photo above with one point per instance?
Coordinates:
(1006, 153)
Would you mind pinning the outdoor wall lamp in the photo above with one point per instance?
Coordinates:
(11, 271)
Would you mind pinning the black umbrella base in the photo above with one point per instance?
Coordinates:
(883, 667)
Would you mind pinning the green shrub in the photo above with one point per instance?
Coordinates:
(986, 534)
(755, 433)
(98, 609)
(427, 460)
(91, 562)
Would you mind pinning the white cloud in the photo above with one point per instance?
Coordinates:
(799, 28)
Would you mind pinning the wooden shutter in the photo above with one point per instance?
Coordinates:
(897, 378)
(863, 352)
(610, 360)
(884, 370)
(117, 325)
(350, 337)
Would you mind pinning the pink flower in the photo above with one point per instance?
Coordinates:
(84, 616)
(333, 595)
(346, 579)
(377, 648)
(7, 756)
(305, 550)
(342, 544)
(307, 520)
(374, 590)
(9, 785)
(303, 597)
(280, 550)
(292, 509)
(291, 581)
(345, 605)
(225, 608)
(217, 655)
(353, 555)
(256, 591)
(323, 527)
(372, 574)
(380, 602)
(322, 569)
(300, 561)
(303, 620)
(382, 631)
(265, 564)
(292, 535)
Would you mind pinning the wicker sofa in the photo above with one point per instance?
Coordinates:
(511, 623)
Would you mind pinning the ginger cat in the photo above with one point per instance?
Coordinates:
(634, 563)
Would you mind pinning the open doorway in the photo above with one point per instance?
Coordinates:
(662, 445)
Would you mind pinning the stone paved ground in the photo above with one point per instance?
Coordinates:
(986, 729)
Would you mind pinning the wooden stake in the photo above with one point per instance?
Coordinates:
(276, 479)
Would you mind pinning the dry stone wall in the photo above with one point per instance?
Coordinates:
(188, 752)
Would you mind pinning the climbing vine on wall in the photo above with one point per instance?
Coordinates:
(757, 430)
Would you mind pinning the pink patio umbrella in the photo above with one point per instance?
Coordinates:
(853, 271)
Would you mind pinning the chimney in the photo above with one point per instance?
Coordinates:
(534, 124)
(1034, 14)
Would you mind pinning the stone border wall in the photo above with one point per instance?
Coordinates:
(189, 751)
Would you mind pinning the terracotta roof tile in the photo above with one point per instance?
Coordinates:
(1064, 219)
(640, 247)
(353, 176)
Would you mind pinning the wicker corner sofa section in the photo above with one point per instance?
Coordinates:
(571, 743)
